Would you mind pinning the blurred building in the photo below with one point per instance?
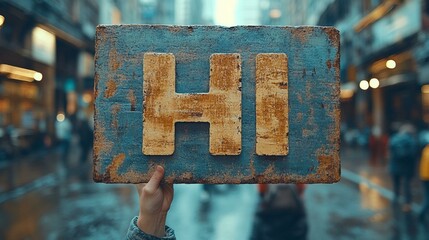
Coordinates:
(291, 12)
(158, 12)
(46, 50)
(177, 12)
(384, 54)
(188, 12)
(120, 12)
(47, 59)
(247, 12)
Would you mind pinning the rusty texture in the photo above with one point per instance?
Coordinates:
(163, 107)
(272, 124)
(307, 95)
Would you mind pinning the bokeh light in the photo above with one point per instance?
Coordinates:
(61, 117)
(38, 76)
(391, 64)
(374, 83)
(364, 85)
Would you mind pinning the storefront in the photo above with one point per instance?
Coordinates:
(388, 71)
(26, 77)
(44, 42)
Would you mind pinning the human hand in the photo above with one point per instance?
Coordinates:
(155, 200)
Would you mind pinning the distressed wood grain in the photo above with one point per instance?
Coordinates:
(272, 124)
(163, 107)
(170, 96)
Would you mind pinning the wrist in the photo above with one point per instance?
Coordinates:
(152, 224)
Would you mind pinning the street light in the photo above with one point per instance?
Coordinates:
(61, 117)
(374, 83)
(19, 73)
(38, 76)
(1, 20)
(391, 64)
(364, 85)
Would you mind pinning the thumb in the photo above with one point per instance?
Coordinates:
(155, 180)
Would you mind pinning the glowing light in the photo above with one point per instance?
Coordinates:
(391, 64)
(346, 93)
(1, 20)
(225, 12)
(61, 117)
(19, 77)
(374, 83)
(43, 45)
(425, 89)
(19, 73)
(364, 85)
(38, 76)
(86, 97)
(275, 13)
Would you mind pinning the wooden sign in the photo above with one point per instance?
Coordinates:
(217, 105)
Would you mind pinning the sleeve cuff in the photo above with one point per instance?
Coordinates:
(134, 233)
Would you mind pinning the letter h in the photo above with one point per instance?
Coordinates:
(163, 107)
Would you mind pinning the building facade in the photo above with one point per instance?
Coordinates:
(53, 41)
(291, 12)
(382, 62)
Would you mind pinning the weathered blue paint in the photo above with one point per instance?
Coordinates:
(313, 61)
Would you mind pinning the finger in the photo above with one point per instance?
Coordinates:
(167, 186)
(155, 180)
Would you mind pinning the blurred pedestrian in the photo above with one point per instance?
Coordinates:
(377, 146)
(403, 155)
(374, 145)
(280, 214)
(63, 130)
(384, 141)
(155, 201)
(424, 176)
(85, 138)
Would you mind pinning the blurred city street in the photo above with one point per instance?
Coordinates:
(47, 54)
(44, 200)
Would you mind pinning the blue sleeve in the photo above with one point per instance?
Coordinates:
(134, 233)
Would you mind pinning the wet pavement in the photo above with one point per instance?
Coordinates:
(347, 211)
(42, 198)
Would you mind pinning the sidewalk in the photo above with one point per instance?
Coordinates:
(356, 208)
(22, 171)
(356, 168)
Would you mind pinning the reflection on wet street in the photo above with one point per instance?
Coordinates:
(47, 80)
(64, 203)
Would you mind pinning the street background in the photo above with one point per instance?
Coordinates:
(46, 119)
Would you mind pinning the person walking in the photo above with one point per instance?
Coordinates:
(85, 139)
(403, 151)
(63, 130)
(280, 213)
(424, 177)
